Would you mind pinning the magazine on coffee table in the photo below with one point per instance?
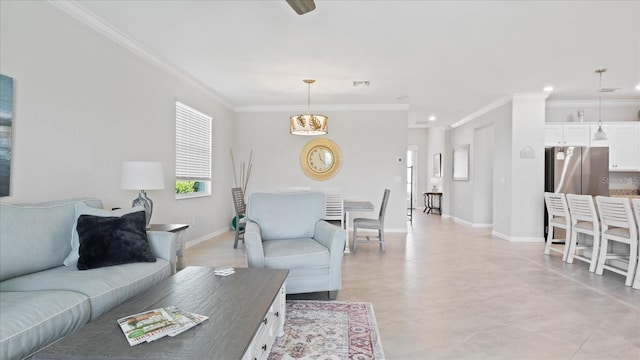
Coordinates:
(186, 320)
(155, 324)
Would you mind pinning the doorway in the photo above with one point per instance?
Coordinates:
(412, 176)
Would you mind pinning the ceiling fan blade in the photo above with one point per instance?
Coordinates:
(302, 6)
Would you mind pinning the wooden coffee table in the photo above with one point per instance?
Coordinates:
(245, 309)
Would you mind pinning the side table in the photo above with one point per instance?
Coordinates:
(430, 202)
(177, 229)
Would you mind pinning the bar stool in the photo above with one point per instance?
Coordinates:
(584, 220)
(617, 225)
(559, 217)
(635, 204)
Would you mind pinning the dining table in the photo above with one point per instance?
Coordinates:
(354, 206)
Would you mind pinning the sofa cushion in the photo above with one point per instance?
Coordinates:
(301, 253)
(35, 237)
(108, 241)
(82, 209)
(31, 320)
(286, 215)
(106, 287)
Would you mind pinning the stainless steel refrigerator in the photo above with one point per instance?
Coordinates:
(576, 170)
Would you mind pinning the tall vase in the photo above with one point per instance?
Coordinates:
(146, 203)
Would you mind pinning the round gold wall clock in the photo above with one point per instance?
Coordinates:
(320, 159)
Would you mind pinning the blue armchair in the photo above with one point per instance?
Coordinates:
(286, 231)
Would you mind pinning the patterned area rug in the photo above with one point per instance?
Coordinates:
(328, 330)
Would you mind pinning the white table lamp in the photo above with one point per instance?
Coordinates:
(142, 175)
(434, 184)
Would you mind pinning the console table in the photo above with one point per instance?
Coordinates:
(246, 312)
(177, 229)
(430, 202)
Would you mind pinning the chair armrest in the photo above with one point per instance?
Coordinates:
(331, 236)
(253, 245)
(163, 245)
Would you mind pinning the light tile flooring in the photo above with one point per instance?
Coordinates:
(449, 291)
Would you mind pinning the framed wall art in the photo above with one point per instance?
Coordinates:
(461, 163)
(437, 165)
(6, 123)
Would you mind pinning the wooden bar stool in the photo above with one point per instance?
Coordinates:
(584, 220)
(559, 217)
(618, 225)
(635, 204)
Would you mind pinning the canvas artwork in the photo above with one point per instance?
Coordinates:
(461, 163)
(6, 121)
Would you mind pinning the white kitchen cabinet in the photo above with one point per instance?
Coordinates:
(624, 145)
(566, 135)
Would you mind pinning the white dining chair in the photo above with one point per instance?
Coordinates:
(618, 225)
(559, 218)
(635, 204)
(584, 220)
(334, 207)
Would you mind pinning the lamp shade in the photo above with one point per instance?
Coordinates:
(308, 124)
(142, 175)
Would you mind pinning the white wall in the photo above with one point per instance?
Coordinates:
(369, 157)
(527, 186)
(483, 176)
(461, 195)
(567, 111)
(84, 104)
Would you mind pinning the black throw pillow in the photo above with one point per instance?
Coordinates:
(107, 241)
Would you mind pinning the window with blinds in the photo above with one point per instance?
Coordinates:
(193, 152)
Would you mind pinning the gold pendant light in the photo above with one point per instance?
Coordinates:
(308, 124)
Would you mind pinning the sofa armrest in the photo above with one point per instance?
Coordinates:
(163, 245)
(331, 236)
(253, 245)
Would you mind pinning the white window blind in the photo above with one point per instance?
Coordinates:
(193, 144)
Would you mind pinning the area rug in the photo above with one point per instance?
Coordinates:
(328, 330)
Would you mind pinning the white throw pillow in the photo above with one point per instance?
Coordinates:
(83, 209)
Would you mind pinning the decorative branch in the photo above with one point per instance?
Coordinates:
(245, 172)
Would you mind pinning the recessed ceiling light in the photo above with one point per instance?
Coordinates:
(638, 87)
(361, 83)
(548, 88)
(432, 118)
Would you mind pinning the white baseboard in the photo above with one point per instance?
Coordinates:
(204, 238)
(468, 223)
(517, 238)
(387, 230)
(461, 221)
(482, 225)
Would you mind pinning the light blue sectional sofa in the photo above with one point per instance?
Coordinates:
(41, 300)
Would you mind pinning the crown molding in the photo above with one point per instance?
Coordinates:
(490, 107)
(78, 12)
(318, 108)
(558, 104)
